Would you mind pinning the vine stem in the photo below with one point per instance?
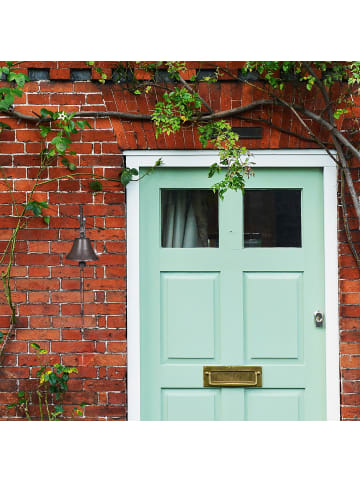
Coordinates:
(7, 274)
(40, 405)
(47, 405)
(26, 409)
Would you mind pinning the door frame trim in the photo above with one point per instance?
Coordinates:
(263, 158)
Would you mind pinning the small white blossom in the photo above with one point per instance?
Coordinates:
(62, 116)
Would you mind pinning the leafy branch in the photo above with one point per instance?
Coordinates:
(50, 390)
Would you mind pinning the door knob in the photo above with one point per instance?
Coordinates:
(319, 319)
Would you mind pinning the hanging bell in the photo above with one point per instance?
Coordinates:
(82, 250)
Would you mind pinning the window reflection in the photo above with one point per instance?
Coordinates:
(272, 218)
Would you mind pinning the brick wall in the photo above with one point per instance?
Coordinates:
(47, 285)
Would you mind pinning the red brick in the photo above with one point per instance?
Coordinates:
(102, 334)
(14, 372)
(38, 99)
(350, 361)
(105, 385)
(10, 147)
(56, 86)
(28, 334)
(40, 272)
(41, 309)
(62, 73)
(94, 99)
(86, 87)
(117, 398)
(39, 259)
(39, 297)
(71, 334)
(72, 347)
(350, 348)
(350, 412)
(106, 411)
(67, 99)
(350, 310)
(116, 347)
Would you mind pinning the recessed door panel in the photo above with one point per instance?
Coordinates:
(273, 314)
(276, 405)
(188, 404)
(189, 314)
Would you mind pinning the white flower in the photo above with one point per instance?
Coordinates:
(61, 116)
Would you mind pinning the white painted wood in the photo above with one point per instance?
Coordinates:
(266, 158)
(263, 158)
(133, 300)
(331, 294)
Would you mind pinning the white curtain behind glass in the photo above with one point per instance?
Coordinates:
(184, 218)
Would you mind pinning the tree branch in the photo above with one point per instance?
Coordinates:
(303, 123)
(323, 91)
(192, 91)
(346, 223)
(239, 110)
(332, 129)
(121, 115)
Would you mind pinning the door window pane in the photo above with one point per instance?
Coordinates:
(272, 218)
(189, 218)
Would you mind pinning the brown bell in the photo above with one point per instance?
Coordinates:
(82, 251)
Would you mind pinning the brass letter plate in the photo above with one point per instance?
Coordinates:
(229, 376)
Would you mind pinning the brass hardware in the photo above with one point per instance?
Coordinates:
(232, 376)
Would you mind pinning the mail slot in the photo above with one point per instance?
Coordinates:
(232, 376)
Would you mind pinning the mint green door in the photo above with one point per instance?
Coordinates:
(246, 297)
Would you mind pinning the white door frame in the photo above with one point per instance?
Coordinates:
(262, 158)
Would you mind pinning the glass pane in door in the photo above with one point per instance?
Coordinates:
(189, 218)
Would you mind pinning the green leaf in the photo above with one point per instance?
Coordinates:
(44, 130)
(53, 379)
(17, 92)
(1, 336)
(95, 186)
(11, 405)
(46, 219)
(12, 76)
(81, 124)
(21, 394)
(35, 345)
(70, 165)
(4, 126)
(126, 177)
(58, 409)
(46, 112)
(42, 351)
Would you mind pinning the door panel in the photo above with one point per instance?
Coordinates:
(241, 303)
(272, 327)
(188, 328)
